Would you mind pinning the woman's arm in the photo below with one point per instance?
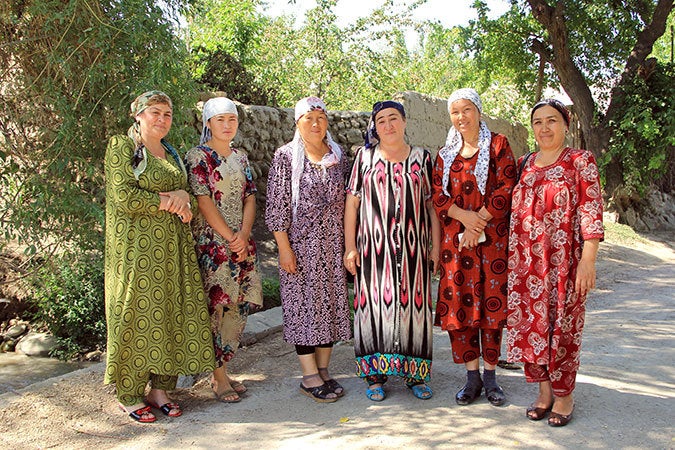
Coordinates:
(435, 255)
(585, 280)
(351, 258)
(287, 258)
(240, 242)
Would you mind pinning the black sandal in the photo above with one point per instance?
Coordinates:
(320, 394)
(334, 386)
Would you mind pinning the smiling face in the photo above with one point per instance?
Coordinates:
(223, 127)
(390, 126)
(155, 121)
(549, 128)
(465, 118)
(313, 126)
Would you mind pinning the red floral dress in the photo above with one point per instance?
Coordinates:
(554, 209)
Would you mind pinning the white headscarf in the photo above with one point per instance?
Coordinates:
(453, 143)
(213, 107)
(331, 158)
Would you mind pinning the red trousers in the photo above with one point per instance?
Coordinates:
(563, 383)
(468, 342)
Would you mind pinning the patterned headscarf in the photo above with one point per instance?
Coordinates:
(453, 143)
(213, 107)
(331, 158)
(557, 105)
(372, 139)
(139, 161)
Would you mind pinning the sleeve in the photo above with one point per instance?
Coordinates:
(355, 180)
(590, 197)
(122, 188)
(441, 201)
(278, 208)
(502, 178)
(197, 168)
(249, 188)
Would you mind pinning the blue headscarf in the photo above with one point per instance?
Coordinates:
(372, 139)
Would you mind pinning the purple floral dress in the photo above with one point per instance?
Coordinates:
(314, 300)
(228, 284)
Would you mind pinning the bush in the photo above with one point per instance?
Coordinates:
(271, 293)
(69, 296)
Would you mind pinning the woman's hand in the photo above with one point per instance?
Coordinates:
(352, 260)
(435, 259)
(239, 242)
(469, 239)
(176, 202)
(472, 222)
(287, 260)
(585, 277)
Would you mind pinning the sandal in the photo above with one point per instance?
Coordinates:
(420, 390)
(142, 415)
(537, 413)
(227, 393)
(238, 387)
(375, 394)
(169, 409)
(320, 394)
(559, 420)
(335, 386)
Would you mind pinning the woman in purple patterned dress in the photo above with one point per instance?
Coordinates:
(389, 225)
(220, 178)
(305, 206)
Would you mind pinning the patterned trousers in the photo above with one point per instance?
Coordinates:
(562, 386)
(469, 343)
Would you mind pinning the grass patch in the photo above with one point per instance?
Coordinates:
(621, 234)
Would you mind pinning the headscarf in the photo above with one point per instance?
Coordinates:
(557, 105)
(331, 158)
(372, 139)
(213, 107)
(453, 143)
(139, 162)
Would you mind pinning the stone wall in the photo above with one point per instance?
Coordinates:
(263, 129)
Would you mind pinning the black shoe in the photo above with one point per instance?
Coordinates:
(468, 394)
(495, 396)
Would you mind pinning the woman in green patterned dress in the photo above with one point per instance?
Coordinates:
(158, 323)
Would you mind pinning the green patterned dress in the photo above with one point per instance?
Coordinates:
(155, 307)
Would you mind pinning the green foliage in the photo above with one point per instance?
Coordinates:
(644, 133)
(70, 69)
(271, 293)
(69, 296)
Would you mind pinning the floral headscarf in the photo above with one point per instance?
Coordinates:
(453, 143)
(213, 107)
(139, 161)
(372, 139)
(331, 158)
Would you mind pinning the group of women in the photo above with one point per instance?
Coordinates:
(514, 245)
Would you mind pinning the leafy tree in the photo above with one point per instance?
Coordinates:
(70, 69)
(593, 71)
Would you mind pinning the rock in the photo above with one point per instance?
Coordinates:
(36, 344)
(16, 331)
(93, 356)
(8, 346)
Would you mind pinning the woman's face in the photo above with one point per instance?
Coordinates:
(549, 128)
(155, 121)
(390, 126)
(313, 126)
(465, 118)
(223, 126)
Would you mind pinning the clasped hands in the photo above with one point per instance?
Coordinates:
(474, 225)
(239, 245)
(176, 202)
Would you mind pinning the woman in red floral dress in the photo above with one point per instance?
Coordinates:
(556, 227)
(472, 181)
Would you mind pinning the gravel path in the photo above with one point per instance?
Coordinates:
(625, 390)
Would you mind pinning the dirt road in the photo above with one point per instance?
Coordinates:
(625, 392)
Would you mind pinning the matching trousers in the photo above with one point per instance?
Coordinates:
(563, 383)
(469, 343)
(130, 386)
